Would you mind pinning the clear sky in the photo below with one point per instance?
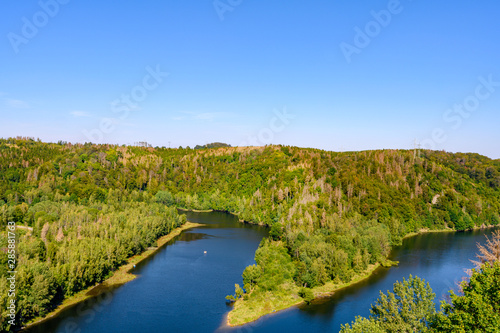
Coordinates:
(337, 75)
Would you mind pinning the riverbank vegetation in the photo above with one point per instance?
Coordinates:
(410, 307)
(119, 277)
(331, 215)
(78, 246)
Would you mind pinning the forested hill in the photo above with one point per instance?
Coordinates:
(331, 214)
(213, 145)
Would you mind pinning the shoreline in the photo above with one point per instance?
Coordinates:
(121, 276)
(428, 231)
(329, 288)
(195, 210)
(221, 211)
(320, 292)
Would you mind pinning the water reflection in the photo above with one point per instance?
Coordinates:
(182, 288)
(179, 289)
(439, 258)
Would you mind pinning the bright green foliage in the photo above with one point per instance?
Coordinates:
(251, 276)
(36, 289)
(409, 308)
(331, 214)
(362, 325)
(238, 293)
(275, 264)
(478, 310)
(73, 247)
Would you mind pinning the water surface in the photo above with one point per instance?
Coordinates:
(182, 289)
(439, 258)
(179, 289)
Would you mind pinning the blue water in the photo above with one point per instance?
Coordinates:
(182, 289)
(439, 258)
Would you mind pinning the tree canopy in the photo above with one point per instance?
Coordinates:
(409, 308)
(478, 309)
(331, 214)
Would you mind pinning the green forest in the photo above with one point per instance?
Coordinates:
(83, 209)
(410, 306)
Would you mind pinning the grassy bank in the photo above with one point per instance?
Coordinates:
(425, 231)
(196, 210)
(247, 311)
(119, 277)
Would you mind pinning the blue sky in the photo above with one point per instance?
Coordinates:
(335, 75)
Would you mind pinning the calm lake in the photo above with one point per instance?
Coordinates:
(183, 289)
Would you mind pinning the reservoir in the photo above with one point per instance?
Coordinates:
(182, 288)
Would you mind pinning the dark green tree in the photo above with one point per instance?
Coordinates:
(306, 294)
(478, 309)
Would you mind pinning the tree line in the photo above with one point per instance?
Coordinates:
(410, 306)
(330, 214)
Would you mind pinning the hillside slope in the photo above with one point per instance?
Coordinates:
(332, 215)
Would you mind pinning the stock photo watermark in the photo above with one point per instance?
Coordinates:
(124, 105)
(277, 124)
(463, 110)
(31, 26)
(223, 6)
(364, 36)
(11, 273)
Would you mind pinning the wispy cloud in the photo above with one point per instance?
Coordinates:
(207, 115)
(79, 114)
(16, 103)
